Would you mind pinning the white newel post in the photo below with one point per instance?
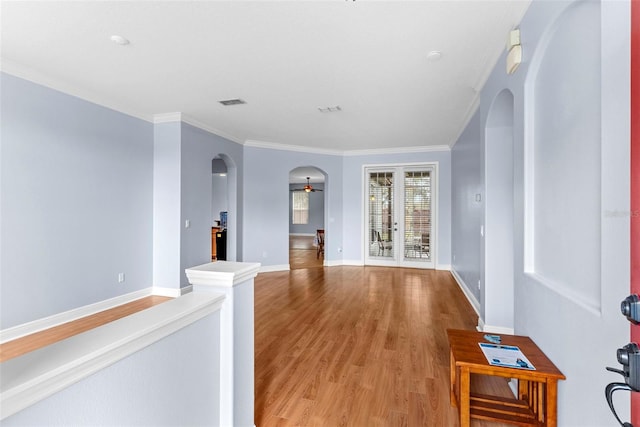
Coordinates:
(235, 281)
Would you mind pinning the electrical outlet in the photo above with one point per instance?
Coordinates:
(187, 223)
(120, 277)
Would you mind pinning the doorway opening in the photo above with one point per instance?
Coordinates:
(223, 209)
(306, 217)
(497, 288)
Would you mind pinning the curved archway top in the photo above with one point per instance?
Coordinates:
(300, 174)
(228, 160)
(501, 112)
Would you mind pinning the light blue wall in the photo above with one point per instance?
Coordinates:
(316, 211)
(183, 192)
(198, 148)
(76, 202)
(571, 121)
(353, 199)
(266, 203)
(467, 212)
(166, 205)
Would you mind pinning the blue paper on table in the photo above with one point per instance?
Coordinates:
(508, 356)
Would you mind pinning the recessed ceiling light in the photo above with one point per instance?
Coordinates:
(119, 40)
(235, 101)
(434, 55)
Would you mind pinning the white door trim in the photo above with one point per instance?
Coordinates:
(398, 260)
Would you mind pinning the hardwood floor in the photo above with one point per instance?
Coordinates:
(302, 253)
(37, 340)
(358, 346)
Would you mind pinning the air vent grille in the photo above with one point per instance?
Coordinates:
(228, 102)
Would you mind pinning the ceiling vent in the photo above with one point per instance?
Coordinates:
(329, 109)
(228, 102)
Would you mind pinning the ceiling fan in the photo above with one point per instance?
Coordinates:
(307, 188)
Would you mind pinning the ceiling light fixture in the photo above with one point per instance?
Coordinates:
(434, 55)
(119, 40)
(235, 101)
(329, 109)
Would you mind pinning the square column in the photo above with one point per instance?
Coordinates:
(235, 280)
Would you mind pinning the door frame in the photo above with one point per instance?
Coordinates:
(398, 259)
(634, 195)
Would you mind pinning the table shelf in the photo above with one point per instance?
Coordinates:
(536, 404)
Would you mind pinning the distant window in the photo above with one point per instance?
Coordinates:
(300, 207)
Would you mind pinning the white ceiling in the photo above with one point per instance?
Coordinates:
(284, 58)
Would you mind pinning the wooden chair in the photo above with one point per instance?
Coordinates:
(320, 242)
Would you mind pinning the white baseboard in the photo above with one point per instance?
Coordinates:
(271, 268)
(500, 330)
(465, 289)
(171, 292)
(303, 234)
(445, 267)
(352, 262)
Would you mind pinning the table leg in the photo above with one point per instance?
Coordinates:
(453, 381)
(523, 390)
(551, 412)
(465, 396)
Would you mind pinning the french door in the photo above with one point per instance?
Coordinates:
(400, 215)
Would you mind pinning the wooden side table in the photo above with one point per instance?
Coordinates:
(536, 404)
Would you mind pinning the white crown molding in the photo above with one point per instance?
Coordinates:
(398, 150)
(373, 151)
(196, 123)
(167, 118)
(287, 147)
(23, 72)
(467, 118)
(27, 73)
(181, 117)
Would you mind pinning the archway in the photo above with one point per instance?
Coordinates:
(497, 290)
(224, 209)
(306, 217)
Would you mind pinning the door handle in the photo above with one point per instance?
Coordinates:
(608, 392)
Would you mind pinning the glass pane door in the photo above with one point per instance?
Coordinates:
(381, 213)
(399, 215)
(417, 215)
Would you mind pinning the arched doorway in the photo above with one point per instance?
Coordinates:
(306, 217)
(497, 290)
(224, 229)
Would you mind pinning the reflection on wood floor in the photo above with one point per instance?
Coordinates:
(359, 346)
(303, 253)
